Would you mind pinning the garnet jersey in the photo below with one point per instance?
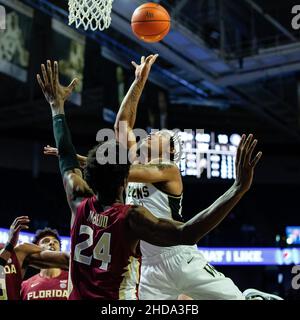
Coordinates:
(103, 265)
(41, 288)
(10, 281)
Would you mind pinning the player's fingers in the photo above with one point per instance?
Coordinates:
(21, 223)
(73, 84)
(248, 141)
(50, 74)
(55, 76)
(24, 226)
(142, 59)
(256, 160)
(46, 80)
(239, 149)
(245, 148)
(134, 64)
(148, 59)
(153, 59)
(22, 218)
(20, 227)
(250, 151)
(40, 82)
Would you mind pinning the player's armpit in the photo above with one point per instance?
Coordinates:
(147, 227)
(76, 187)
(48, 259)
(153, 173)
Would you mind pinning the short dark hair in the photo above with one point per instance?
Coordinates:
(106, 179)
(42, 233)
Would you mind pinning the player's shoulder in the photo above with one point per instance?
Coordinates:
(28, 281)
(64, 274)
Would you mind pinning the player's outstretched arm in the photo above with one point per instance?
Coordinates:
(167, 233)
(30, 254)
(48, 259)
(56, 95)
(19, 224)
(127, 113)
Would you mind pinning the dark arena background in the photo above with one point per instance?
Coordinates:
(226, 68)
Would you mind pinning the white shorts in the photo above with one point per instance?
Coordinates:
(165, 276)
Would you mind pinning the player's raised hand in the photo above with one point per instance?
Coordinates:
(54, 92)
(142, 70)
(19, 224)
(51, 151)
(245, 163)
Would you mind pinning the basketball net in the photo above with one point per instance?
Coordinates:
(91, 14)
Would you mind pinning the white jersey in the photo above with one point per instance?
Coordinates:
(159, 203)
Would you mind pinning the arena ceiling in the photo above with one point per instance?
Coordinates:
(240, 55)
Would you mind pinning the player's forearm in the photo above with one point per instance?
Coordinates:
(128, 109)
(196, 228)
(66, 151)
(49, 259)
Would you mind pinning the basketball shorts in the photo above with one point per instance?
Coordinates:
(177, 271)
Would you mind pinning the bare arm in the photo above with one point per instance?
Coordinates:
(167, 233)
(48, 259)
(152, 173)
(32, 255)
(127, 114)
(56, 95)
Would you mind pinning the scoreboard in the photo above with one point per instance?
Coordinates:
(209, 155)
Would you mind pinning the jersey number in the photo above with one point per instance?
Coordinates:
(100, 252)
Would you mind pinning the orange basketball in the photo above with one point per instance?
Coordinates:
(151, 22)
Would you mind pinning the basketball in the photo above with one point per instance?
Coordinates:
(151, 22)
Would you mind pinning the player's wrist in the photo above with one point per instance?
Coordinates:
(9, 247)
(238, 189)
(57, 108)
(2, 262)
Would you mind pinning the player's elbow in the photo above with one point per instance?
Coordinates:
(65, 264)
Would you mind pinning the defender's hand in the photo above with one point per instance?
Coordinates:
(245, 163)
(19, 224)
(50, 151)
(142, 70)
(54, 92)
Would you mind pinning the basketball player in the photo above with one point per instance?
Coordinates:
(158, 187)
(48, 284)
(22, 256)
(105, 232)
(159, 181)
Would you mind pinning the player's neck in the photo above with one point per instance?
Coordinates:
(119, 199)
(50, 273)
